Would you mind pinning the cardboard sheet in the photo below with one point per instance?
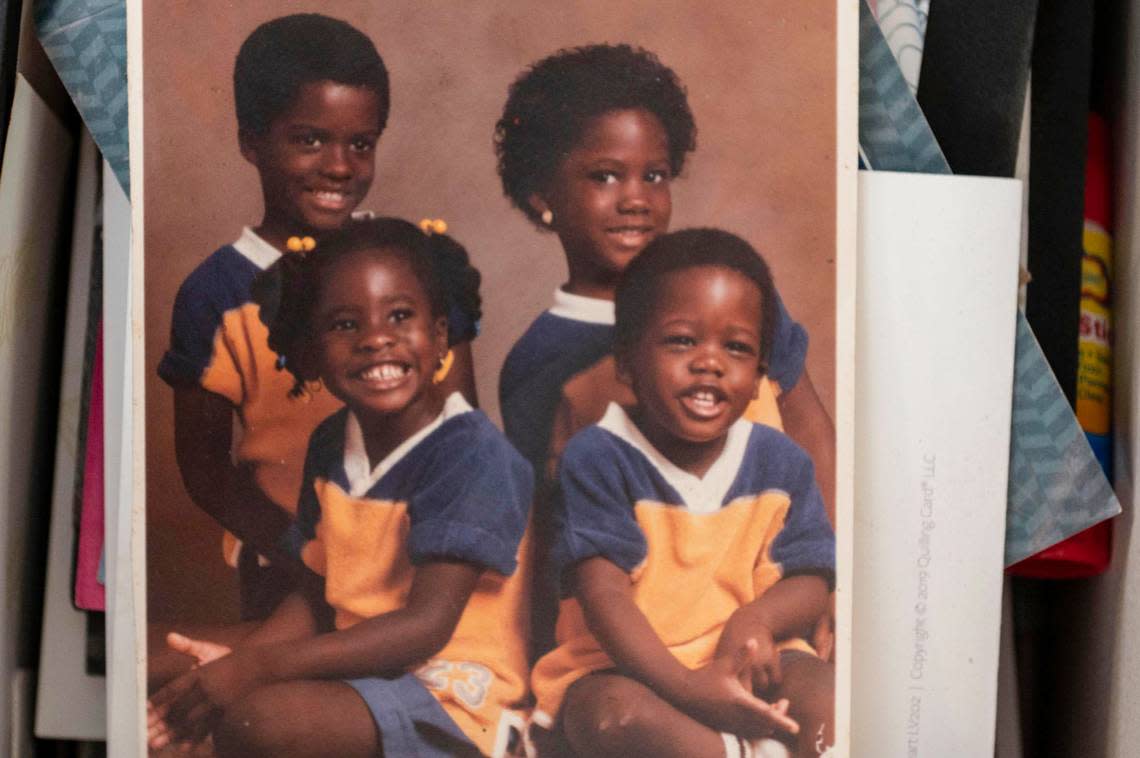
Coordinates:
(938, 297)
(70, 704)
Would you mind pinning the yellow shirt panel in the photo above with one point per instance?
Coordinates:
(361, 549)
(275, 426)
(699, 569)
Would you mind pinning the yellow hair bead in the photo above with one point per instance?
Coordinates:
(304, 244)
(433, 226)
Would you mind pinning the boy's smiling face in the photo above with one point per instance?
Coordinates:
(378, 344)
(696, 364)
(316, 161)
(610, 196)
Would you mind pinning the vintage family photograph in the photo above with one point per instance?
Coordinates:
(498, 365)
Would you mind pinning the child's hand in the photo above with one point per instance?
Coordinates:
(765, 669)
(716, 696)
(202, 651)
(186, 709)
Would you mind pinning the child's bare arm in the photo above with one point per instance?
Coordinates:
(806, 683)
(713, 694)
(186, 707)
(806, 421)
(625, 633)
(203, 433)
(293, 619)
(438, 595)
(791, 607)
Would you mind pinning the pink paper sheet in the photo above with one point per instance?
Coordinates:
(89, 592)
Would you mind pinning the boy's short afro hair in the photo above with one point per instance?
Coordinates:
(283, 54)
(636, 295)
(551, 103)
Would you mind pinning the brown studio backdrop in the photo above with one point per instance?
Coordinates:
(761, 82)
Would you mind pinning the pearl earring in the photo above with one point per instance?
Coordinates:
(548, 217)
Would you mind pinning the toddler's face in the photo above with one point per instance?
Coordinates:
(377, 341)
(316, 161)
(610, 195)
(695, 367)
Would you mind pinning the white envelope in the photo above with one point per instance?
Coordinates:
(937, 293)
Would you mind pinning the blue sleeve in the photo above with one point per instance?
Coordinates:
(806, 544)
(789, 349)
(193, 326)
(473, 504)
(593, 511)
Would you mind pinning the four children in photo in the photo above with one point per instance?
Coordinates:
(688, 550)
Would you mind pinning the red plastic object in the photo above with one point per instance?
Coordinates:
(1086, 553)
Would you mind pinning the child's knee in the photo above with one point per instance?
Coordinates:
(809, 685)
(807, 679)
(610, 715)
(250, 727)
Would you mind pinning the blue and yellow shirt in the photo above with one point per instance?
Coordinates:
(696, 548)
(455, 490)
(218, 341)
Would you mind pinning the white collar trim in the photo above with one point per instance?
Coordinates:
(257, 250)
(592, 310)
(360, 477)
(701, 494)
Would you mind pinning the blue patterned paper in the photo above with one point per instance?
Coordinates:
(1056, 486)
(86, 41)
(904, 26)
(893, 133)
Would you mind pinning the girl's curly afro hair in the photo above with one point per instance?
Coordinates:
(551, 103)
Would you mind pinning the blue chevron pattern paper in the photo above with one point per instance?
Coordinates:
(86, 41)
(1056, 486)
(893, 133)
